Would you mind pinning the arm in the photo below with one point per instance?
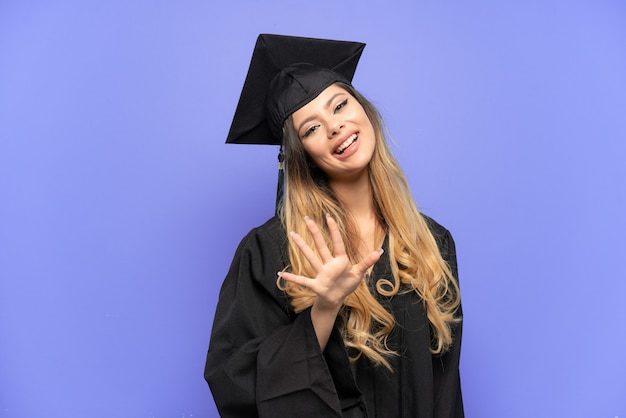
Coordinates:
(262, 357)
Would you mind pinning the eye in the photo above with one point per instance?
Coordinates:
(341, 105)
(310, 131)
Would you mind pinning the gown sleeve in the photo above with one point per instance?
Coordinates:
(263, 359)
(448, 402)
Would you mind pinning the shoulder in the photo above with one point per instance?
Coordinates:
(271, 232)
(265, 242)
(440, 233)
(259, 256)
(444, 240)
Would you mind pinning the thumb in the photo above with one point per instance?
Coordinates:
(368, 261)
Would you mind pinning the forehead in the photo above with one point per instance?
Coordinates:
(321, 101)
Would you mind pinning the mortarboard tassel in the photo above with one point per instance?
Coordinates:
(280, 189)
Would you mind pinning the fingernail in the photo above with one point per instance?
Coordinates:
(380, 251)
(306, 218)
(279, 274)
(292, 233)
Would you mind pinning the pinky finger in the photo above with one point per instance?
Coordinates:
(294, 278)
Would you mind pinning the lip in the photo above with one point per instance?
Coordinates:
(350, 150)
(343, 139)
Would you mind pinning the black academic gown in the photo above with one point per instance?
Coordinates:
(264, 360)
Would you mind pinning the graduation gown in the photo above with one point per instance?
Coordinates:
(264, 360)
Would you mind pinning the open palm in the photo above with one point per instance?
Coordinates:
(335, 276)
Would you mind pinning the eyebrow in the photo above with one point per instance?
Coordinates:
(310, 118)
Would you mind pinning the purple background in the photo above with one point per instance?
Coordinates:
(121, 206)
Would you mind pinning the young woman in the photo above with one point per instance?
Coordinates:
(346, 303)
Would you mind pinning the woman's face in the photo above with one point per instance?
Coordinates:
(336, 133)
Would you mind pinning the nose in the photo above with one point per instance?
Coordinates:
(336, 125)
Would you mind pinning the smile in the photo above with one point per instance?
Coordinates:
(341, 148)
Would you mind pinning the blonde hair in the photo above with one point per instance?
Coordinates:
(415, 257)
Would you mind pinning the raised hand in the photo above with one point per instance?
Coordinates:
(335, 276)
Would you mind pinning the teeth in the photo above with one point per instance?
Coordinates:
(346, 144)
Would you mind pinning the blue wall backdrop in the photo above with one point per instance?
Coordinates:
(121, 206)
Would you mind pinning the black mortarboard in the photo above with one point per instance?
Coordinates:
(285, 73)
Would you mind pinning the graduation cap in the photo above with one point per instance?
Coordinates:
(286, 73)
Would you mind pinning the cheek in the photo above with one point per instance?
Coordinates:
(306, 147)
(309, 156)
(313, 147)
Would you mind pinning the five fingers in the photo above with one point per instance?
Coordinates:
(325, 256)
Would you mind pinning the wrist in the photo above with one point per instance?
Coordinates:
(327, 307)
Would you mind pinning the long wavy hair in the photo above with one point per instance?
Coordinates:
(416, 260)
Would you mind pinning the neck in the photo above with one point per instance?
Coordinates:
(357, 199)
(355, 195)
